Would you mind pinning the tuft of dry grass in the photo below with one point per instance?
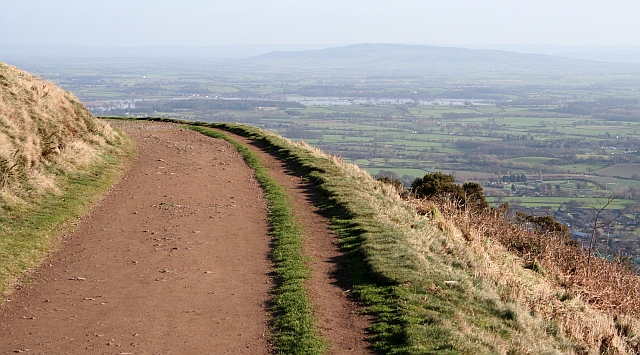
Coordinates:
(44, 132)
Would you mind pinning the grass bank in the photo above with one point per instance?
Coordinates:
(56, 160)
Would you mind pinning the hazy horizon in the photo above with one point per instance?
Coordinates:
(199, 29)
(8, 51)
(200, 23)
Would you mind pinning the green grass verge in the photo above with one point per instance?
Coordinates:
(30, 231)
(294, 324)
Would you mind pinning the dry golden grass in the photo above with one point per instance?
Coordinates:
(56, 159)
(593, 302)
(44, 132)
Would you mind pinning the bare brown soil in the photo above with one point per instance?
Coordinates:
(174, 260)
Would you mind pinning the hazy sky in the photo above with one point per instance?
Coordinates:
(246, 22)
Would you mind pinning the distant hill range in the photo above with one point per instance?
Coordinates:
(50, 51)
(613, 56)
(398, 58)
(371, 59)
(603, 53)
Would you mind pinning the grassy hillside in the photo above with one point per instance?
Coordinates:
(445, 281)
(44, 132)
(55, 159)
(441, 280)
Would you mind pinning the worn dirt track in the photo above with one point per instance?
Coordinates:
(174, 260)
(340, 320)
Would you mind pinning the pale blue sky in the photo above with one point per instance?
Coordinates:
(247, 22)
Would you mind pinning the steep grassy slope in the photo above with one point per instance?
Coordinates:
(55, 158)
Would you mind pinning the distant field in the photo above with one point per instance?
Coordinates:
(554, 202)
(221, 89)
(531, 161)
(621, 170)
(400, 172)
(581, 168)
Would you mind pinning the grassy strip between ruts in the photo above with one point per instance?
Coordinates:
(30, 231)
(294, 330)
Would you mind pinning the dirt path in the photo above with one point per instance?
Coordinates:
(175, 261)
(340, 320)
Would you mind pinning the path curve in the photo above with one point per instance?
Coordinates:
(174, 260)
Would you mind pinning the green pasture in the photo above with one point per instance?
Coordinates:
(103, 95)
(399, 171)
(215, 89)
(555, 202)
(613, 183)
(581, 168)
(267, 89)
(530, 161)
(318, 109)
(571, 184)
